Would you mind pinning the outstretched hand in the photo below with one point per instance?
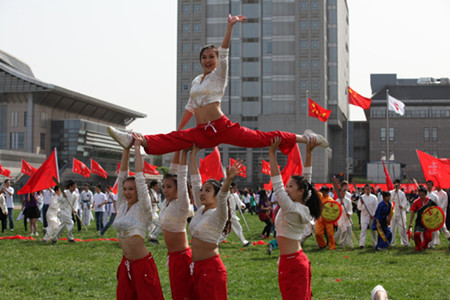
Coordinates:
(138, 139)
(311, 144)
(275, 143)
(234, 19)
(235, 169)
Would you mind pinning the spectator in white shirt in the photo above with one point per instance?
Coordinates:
(99, 202)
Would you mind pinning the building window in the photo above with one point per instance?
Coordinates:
(434, 134)
(267, 47)
(315, 84)
(304, 45)
(25, 115)
(196, 47)
(426, 134)
(197, 67)
(44, 119)
(315, 5)
(185, 87)
(197, 28)
(383, 134)
(186, 27)
(315, 44)
(186, 47)
(304, 65)
(42, 141)
(16, 140)
(186, 67)
(3, 125)
(197, 8)
(186, 8)
(314, 24)
(303, 5)
(391, 134)
(303, 25)
(304, 84)
(14, 119)
(315, 64)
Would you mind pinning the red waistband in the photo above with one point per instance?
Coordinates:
(179, 252)
(220, 121)
(299, 252)
(148, 256)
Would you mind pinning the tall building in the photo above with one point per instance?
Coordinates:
(284, 49)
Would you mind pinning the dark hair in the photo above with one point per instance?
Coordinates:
(56, 188)
(397, 181)
(422, 189)
(344, 182)
(129, 178)
(99, 186)
(206, 47)
(385, 194)
(216, 185)
(6, 180)
(153, 183)
(263, 196)
(325, 189)
(313, 202)
(227, 228)
(70, 183)
(367, 185)
(430, 181)
(169, 176)
(87, 184)
(233, 185)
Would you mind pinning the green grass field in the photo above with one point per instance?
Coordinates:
(87, 270)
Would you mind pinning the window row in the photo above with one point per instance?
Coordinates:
(196, 8)
(192, 27)
(434, 134)
(188, 47)
(412, 112)
(188, 67)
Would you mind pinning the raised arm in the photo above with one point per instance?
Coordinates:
(274, 171)
(196, 179)
(141, 187)
(184, 119)
(307, 170)
(231, 21)
(175, 163)
(138, 163)
(183, 194)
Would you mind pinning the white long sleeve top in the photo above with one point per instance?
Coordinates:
(173, 215)
(208, 225)
(369, 207)
(69, 203)
(293, 217)
(234, 203)
(3, 204)
(347, 207)
(133, 220)
(399, 198)
(212, 88)
(442, 200)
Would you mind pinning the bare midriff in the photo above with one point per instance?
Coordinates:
(175, 241)
(203, 250)
(287, 245)
(133, 247)
(207, 113)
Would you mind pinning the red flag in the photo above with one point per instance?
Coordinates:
(294, 165)
(4, 171)
(97, 169)
(358, 100)
(28, 169)
(389, 184)
(211, 166)
(129, 172)
(80, 168)
(243, 172)
(435, 169)
(265, 169)
(149, 169)
(317, 111)
(43, 178)
(268, 186)
(114, 188)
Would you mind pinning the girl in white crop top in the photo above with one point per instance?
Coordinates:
(206, 228)
(299, 202)
(133, 217)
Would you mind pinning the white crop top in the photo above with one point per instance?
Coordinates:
(212, 88)
(136, 220)
(293, 217)
(208, 225)
(173, 215)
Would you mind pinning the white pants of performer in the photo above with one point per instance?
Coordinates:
(154, 229)
(106, 216)
(86, 216)
(399, 220)
(66, 221)
(343, 236)
(237, 228)
(53, 225)
(367, 221)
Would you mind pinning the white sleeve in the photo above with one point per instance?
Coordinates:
(142, 191)
(196, 181)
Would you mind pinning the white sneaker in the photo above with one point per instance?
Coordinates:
(320, 139)
(37, 233)
(32, 234)
(123, 138)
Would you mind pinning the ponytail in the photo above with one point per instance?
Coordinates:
(227, 229)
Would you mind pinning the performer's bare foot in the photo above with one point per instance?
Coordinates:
(320, 139)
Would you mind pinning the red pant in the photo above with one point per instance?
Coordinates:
(220, 131)
(294, 276)
(210, 279)
(427, 237)
(138, 279)
(321, 227)
(181, 281)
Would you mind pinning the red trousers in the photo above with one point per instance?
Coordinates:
(210, 279)
(181, 281)
(321, 228)
(220, 131)
(294, 276)
(138, 279)
(422, 244)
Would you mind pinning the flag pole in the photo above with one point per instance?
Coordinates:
(388, 135)
(307, 110)
(347, 160)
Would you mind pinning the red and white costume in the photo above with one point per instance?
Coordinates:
(220, 131)
(293, 218)
(210, 275)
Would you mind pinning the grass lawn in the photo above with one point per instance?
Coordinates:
(87, 270)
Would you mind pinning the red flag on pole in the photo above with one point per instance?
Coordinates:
(97, 169)
(435, 169)
(211, 166)
(114, 188)
(389, 184)
(80, 168)
(265, 169)
(243, 172)
(150, 169)
(129, 172)
(317, 111)
(294, 165)
(28, 169)
(43, 178)
(5, 172)
(358, 100)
